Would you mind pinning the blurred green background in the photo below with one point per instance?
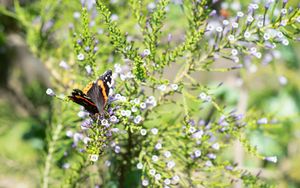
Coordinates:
(25, 109)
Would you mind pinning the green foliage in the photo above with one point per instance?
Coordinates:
(162, 126)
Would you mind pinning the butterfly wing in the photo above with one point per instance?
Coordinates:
(80, 98)
(99, 90)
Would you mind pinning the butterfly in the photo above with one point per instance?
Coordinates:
(94, 96)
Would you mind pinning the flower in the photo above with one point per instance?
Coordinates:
(158, 146)
(146, 52)
(167, 154)
(143, 132)
(145, 182)
(247, 34)
(171, 164)
(240, 14)
(154, 158)
(154, 131)
(231, 38)
(114, 17)
(88, 69)
(50, 92)
(174, 87)
(157, 176)
(216, 146)
(211, 156)
(234, 52)
(282, 80)
(219, 29)
(167, 181)
(208, 163)
(162, 87)
(104, 122)
(197, 153)
(80, 57)
(262, 121)
(94, 157)
(64, 65)
(272, 159)
(152, 172)
(139, 166)
(137, 119)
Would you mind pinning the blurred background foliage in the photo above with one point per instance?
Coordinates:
(35, 35)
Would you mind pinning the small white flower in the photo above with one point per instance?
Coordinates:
(127, 113)
(235, 25)
(175, 179)
(117, 149)
(94, 157)
(107, 163)
(236, 59)
(69, 133)
(192, 129)
(139, 166)
(283, 11)
(219, 29)
(279, 34)
(260, 24)
(197, 153)
(143, 105)
(253, 50)
(113, 119)
(104, 122)
(231, 38)
(250, 18)
(298, 19)
(225, 22)
(137, 119)
(234, 52)
(209, 27)
(134, 109)
(267, 36)
(240, 14)
(208, 99)
(50, 92)
(211, 156)
(154, 131)
(247, 34)
(64, 65)
(258, 55)
(285, 42)
(208, 163)
(171, 164)
(152, 172)
(162, 87)
(86, 140)
(262, 121)
(167, 154)
(143, 132)
(114, 17)
(136, 101)
(272, 159)
(80, 57)
(88, 69)
(154, 158)
(151, 6)
(198, 134)
(123, 112)
(158, 146)
(202, 96)
(282, 80)
(167, 181)
(174, 87)
(216, 146)
(157, 176)
(145, 182)
(146, 52)
(283, 22)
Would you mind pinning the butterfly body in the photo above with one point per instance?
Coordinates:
(94, 96)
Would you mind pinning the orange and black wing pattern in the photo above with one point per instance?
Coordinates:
(94, 96)
(80, 98)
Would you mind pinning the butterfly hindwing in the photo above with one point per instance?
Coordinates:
(80, 98)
